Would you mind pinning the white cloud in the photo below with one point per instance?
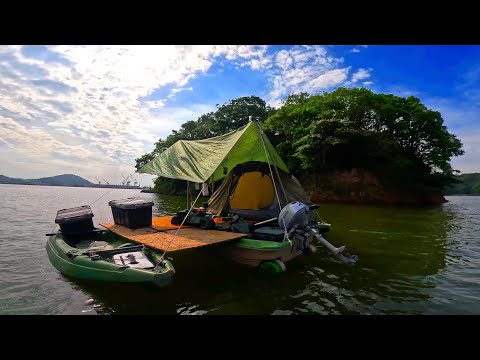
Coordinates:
(166, 119)
(91, 102)
(91, 110)
(154, 105)
(94, 109)
(357, 49)
(182, 89)
(303, 69)
(176, 91)
(329, 79)
(361, 74)
(260, 63)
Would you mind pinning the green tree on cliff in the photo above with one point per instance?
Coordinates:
(229, 116)
(358, 128)
(398, 139)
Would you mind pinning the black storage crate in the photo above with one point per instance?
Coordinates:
(75, 221)
(132, 212)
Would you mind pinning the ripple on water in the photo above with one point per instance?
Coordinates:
(412, 261)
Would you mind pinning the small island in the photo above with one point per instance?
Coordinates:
(350, 145)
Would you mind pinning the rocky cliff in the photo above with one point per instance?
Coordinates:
(361, 187)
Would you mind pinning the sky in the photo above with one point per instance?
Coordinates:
(91, 110)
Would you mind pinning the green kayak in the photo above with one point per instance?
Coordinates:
(105, 257)
(80, 250)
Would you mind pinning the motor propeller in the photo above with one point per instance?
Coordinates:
(337, 252)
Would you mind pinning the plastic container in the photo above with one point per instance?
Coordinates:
(133, 213)
(74, 221)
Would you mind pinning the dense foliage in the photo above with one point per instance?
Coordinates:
(469, 184)
(398, 139)
(229, 116)
(394, 137)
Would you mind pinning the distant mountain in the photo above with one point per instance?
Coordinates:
(469, 184)
(9, 180)
(59, 180)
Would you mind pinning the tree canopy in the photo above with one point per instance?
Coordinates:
(394, 137)
(358, 128)
(468, 184)
(229, 116)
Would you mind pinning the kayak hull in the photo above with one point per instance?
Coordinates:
(254, 252)
(77, 263)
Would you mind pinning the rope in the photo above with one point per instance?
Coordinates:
(271, 172)
(273, 162)
(319, 217)
(185, 218)
(273, 181)
(101, 196)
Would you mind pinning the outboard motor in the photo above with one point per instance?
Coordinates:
(295, 217)
(295, 213)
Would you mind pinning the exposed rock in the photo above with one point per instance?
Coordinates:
(361, 187)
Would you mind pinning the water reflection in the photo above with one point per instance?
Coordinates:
(400, 251)
(411, 261)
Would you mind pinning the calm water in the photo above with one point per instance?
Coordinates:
(412, 261)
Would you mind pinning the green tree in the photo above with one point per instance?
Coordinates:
(228, 117)
(358, 128)
(397, 138)
(467, 184)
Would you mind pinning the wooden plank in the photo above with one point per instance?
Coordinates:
(207, 236)
(164, 223)
(186, 238)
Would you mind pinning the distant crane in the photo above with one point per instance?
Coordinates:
(135, 182)
(129, 177)
(124, 179)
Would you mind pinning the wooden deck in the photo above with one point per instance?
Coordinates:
(163, 223)
(161, 235)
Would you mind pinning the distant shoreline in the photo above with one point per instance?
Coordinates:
(462, 195)
(69, 180)
(101, 186)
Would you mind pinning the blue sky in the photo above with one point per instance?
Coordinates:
(91, 110)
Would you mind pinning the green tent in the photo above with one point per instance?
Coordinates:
(198, 160)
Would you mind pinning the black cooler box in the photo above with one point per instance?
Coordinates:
(75, 221)
(132, 212)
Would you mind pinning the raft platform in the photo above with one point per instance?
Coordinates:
(160, 235)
